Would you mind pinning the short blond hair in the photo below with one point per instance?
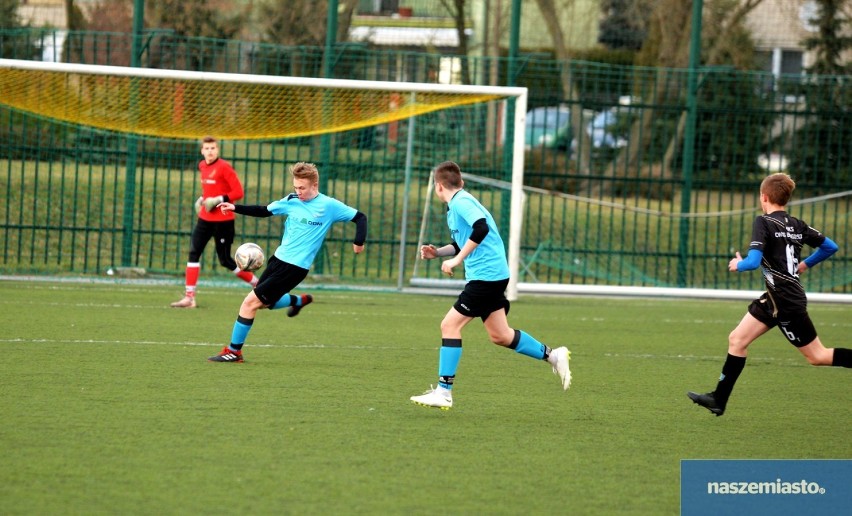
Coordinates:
(302, 170)
(778, 188)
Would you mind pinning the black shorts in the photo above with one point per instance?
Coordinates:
(223, 232)
(482, 298)
(278, 278)
(797, 327)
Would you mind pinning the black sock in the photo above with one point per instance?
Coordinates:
(730, 372)
(842, 357)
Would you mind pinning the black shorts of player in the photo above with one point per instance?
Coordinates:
(278, 278)
(482, 298)
(223, 234)
(797, 327)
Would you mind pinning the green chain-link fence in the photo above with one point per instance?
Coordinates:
(604, 164)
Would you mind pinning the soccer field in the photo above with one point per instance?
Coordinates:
(110, 407)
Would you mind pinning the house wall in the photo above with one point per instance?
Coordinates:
(579, 20)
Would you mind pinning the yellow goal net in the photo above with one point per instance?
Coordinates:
(174, 104)
(185, 105)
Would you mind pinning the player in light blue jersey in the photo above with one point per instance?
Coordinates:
(477, 243)
(310, 215)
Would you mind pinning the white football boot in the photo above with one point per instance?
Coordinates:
(435, 397)
(559, 360)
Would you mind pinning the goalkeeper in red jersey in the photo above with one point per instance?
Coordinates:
(219, 183)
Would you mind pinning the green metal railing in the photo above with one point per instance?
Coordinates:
(614, 182)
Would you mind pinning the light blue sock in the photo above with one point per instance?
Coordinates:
(448, 361)
(285, 301)
(527, 345)
(239, 333)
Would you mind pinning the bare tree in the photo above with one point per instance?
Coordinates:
(74, 16)
(456, 8)
(570, 91)
(344, 18)
(193, 18)
(303, 22)
(667, 46)
(724, 22)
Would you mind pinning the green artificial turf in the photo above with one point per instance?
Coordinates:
(110, 407)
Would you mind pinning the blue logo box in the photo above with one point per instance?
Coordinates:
(776, 487)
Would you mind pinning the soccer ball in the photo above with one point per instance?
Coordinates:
(249, 257)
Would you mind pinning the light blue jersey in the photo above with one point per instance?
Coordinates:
(488, 261)
(306, 226)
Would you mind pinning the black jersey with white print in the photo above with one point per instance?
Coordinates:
(780, 238)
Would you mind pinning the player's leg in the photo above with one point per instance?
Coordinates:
(233, 352)
(800, 329)
(277, 279)
(753, 324)
(450, 353)
(449, 357)
(224, 239)
(817, 354)
(294, 304)
(201, 234)
(500, 333)
(289, 278)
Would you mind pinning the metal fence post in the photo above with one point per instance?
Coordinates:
(132, 142)
(689, 142)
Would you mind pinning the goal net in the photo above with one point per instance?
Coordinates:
(185, 105)
(577, 245)
(180, 104)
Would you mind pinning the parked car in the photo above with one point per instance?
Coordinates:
(550, 127)
(602, 130)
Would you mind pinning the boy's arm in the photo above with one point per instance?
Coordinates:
(480, 230)
(234, 193)
(235, 187)
(242, 209)
(749, 263)
(360, 221)
(429, 251)
(827, 248)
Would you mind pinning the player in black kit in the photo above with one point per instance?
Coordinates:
(776, 245)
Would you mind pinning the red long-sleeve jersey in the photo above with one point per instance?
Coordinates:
(219, 178)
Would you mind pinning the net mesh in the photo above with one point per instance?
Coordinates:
(611, 242)
(186, 108)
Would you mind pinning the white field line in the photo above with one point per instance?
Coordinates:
(794, 359)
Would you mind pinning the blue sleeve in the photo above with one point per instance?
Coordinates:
(751, 261)
(825, 249)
